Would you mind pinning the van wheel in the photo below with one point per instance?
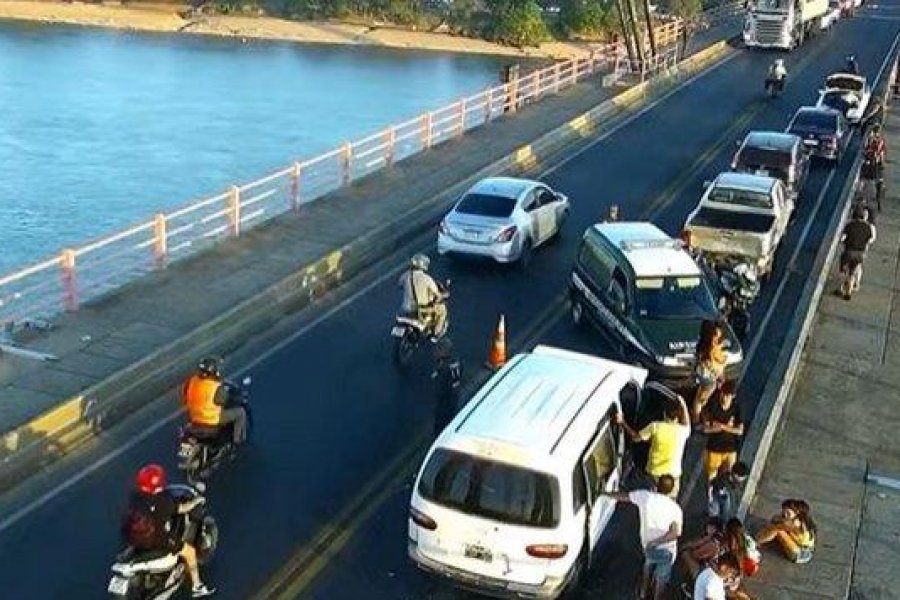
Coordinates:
(577, 311)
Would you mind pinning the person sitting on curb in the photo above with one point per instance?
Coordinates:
(667, 440)
(737, 541)
(661, 521)
(794, 529)
(723, 490)
(696, 554)
(723, 426)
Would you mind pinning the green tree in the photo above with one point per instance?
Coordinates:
(586, 18)
(517, 22)
(686, 9)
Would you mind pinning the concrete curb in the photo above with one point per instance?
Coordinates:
(53, 434)
(776, 394)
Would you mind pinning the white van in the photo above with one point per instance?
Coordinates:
(507, 502)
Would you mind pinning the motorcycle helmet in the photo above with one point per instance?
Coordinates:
(779, 62)
(209, 367)
(859, 212)
(420, 261)
(151, 479)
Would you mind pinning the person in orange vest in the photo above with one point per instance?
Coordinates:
(206, 397)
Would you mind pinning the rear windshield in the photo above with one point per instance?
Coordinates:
(814, 121)
(491, 490)
(740, 197)
(486, 205)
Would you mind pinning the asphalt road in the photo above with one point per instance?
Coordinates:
(325, 486)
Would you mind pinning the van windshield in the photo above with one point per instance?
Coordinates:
(491, 490)
(683, 297)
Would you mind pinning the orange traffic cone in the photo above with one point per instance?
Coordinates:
(497, 356)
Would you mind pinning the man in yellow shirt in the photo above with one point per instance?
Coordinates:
(667, 440)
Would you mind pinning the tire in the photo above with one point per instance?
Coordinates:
(207, 540)
(577, 311)
(526, 255)
(404, 348)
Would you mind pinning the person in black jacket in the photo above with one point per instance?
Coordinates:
(447, 375)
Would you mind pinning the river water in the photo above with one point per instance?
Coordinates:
(100, 129)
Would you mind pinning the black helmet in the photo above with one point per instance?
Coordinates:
(859, 212)
(210, 367)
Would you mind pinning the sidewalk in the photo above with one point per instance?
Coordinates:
(840, 429)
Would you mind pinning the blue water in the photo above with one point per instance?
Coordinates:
(100, 129)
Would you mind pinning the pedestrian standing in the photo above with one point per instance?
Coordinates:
(724, 488)
(724, 427)
(710, 367)
(661, 521)
(667, 440)
(447, 375)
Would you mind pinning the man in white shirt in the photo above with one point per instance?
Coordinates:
(710, 583)
(660, 522)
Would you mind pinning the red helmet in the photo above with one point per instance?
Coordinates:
(151, 479)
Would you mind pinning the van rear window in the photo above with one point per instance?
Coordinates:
(491, 490)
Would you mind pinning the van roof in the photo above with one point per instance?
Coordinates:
(647, 248)
(539, 400)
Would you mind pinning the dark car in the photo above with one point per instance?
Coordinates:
(824, 132)
(774, 154)
(648, 297)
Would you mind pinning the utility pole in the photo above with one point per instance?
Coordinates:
(638, 42)
(650, 33)
(626, 34)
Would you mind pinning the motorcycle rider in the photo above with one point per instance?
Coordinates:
(148, 525)
(852, 67)
(857, 236)
(423, 297)
(777, 74)
(206, 398)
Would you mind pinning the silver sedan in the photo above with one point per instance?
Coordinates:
(503, 218)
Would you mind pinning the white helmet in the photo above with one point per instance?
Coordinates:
(779, 62)
(420, 261)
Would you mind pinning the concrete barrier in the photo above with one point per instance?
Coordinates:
(58, 431)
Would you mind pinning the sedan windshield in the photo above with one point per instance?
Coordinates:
(486, 205)
(740, 197)
(684, 297)
(815, 122)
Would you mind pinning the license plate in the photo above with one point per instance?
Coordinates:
(118, 586)
(185, 451)
(472, 234)
(398, 331)
(811, 142)
(762, 172)
(478, 553)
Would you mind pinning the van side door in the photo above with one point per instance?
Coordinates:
(600, 467)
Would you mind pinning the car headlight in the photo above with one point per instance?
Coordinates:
(670, 361)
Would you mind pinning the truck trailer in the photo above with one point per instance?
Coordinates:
(783, 24)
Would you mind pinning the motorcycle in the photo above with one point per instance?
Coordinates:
(410, 330)
(774, 86)
(740, 287)
(202, 449)
(155, 576)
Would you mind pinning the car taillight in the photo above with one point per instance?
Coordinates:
(442, 228)
(506, 233)
(831, 141)
(421, 519)
(547, 550)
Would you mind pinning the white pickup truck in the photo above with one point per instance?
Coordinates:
(741, 215)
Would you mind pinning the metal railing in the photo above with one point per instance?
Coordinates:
(77, 275)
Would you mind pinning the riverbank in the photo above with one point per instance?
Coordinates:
(166, 19)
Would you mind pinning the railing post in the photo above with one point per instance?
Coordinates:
(488, 105)
(426, 130)
(160, 240)
(234, 210)
(70, 280)
(296, 173)
(462, 117)
(576, 69)
(513, 94)
(347, 163)
(390, 142)
(557, 70)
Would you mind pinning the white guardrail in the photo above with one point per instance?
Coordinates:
(77, 275)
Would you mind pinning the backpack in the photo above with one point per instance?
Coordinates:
(139, 530)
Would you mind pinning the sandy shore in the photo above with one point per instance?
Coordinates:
(165, 19)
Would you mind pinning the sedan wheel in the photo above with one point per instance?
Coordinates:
(525, 255)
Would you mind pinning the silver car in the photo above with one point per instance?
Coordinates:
(503, 218)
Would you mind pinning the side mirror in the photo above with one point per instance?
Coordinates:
(737, 143)
(247, 380)
(706, 184)
(561, 197)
